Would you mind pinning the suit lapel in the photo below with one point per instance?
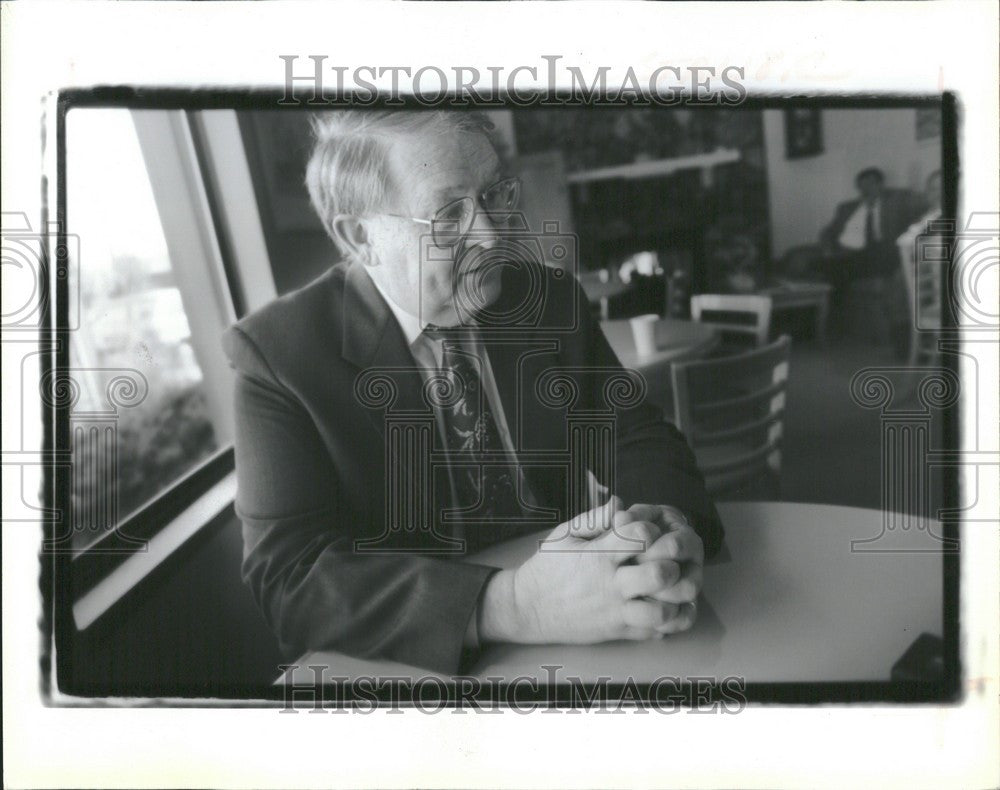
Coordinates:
(505, 345)
(374, 343)
(504, 360)
(517, 354)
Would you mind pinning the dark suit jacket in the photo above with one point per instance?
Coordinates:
(899, 209)
(311, 459)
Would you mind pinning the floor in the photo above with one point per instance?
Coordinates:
(833, 444)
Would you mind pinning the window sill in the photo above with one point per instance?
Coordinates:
(126, 576)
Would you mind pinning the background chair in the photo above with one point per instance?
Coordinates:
(867, 308)
(739, 315)
(732, 411)
(922, 280)
(802, 263)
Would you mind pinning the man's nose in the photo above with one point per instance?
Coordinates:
(483, 232)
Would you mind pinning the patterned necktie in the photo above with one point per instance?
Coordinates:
(482, 472)
(870, 226)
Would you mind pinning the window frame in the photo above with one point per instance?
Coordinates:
(201, 185)
(132, 533)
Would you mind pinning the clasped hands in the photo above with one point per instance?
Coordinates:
(610, 573)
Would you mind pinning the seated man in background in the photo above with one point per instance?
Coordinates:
(425, 316)
(860, 241)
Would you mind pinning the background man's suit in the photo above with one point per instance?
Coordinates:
(898, 208)
(311, 463)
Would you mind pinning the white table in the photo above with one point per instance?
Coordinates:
(790, 602)
(676, 340)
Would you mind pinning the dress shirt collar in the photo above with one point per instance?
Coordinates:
(412, 326)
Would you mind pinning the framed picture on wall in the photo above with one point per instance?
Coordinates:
(803, 133)
(928, 123)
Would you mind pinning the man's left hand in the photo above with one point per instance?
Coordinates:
(676, 558)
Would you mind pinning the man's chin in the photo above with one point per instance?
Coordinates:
(480, 287)
(474, 292)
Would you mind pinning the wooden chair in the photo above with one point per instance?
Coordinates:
(735, 314)
(732, 411)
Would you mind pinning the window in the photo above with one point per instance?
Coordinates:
(149, 398)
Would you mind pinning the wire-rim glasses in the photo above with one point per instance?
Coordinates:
(453, 221)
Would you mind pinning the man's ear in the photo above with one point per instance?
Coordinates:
(352, 236)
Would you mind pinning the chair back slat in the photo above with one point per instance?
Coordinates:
(727, 434)
(732, 412)
(728, 404)
(746, 314)
(750, 463)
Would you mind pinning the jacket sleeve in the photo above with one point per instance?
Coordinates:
(655, 465)
(314, 589)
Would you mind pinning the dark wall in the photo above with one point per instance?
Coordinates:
(190, 629)
(278, 144)
(673, 215)
(720, 227)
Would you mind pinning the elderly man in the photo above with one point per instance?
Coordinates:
(413, 405)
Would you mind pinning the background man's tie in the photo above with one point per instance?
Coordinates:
(870, 237)
(484, 478)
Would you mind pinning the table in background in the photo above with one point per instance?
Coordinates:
(794, 295)
(676, 340)
(788, 602)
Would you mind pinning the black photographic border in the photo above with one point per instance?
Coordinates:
(57, 622)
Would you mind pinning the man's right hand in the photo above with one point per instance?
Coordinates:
(579, 588)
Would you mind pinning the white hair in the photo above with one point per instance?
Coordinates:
(348, 171)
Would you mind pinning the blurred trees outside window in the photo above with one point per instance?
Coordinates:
(131, 326)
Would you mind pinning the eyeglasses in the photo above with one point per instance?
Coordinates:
(452, 222)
